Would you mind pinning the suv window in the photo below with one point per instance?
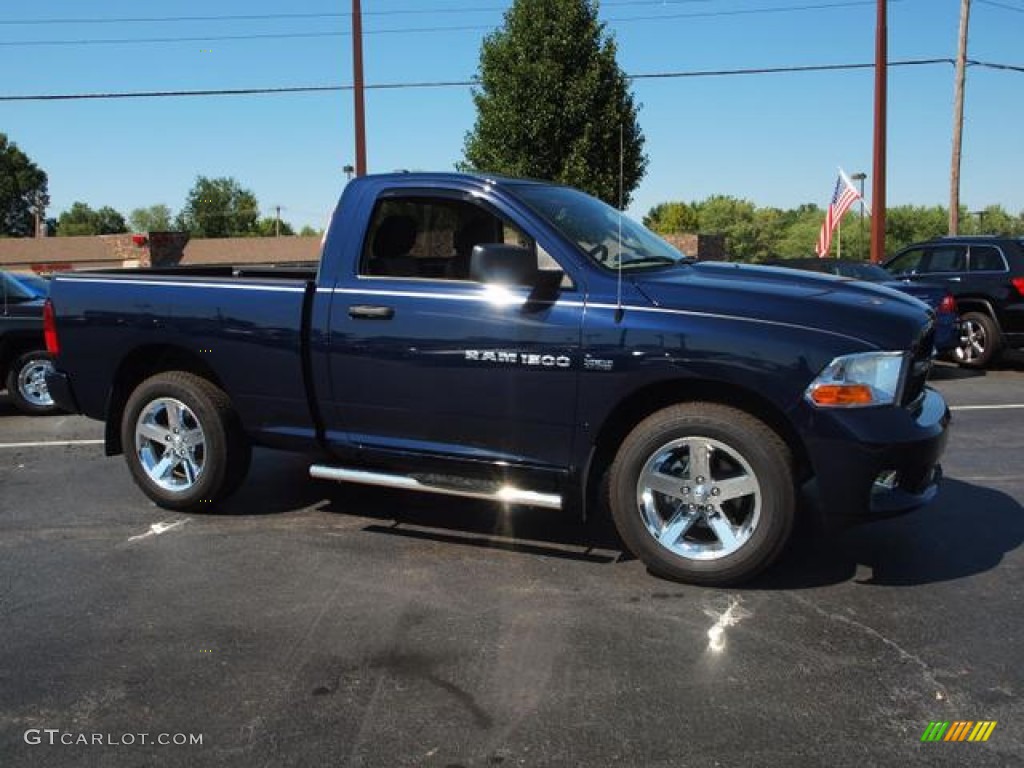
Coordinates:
(907, 263)
(946, 258)
(13, 291)
(986, 258)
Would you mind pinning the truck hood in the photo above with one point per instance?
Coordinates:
(879, 316)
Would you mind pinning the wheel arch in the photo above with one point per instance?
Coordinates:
(654, 397)
(136, 367)
(973, 304)
(15, 344)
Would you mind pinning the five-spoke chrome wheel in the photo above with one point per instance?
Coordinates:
(183, 441)
(703, 492)
(170, 444)
(699, 498)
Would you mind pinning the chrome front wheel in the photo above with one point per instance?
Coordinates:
(699, 498)
(703, 492)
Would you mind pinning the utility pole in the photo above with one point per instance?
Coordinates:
(277, 221)
(878, 172)
(958, 119)
(357, 89)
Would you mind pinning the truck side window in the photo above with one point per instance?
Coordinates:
(431, 238)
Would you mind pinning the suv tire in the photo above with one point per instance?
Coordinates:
(980, 343)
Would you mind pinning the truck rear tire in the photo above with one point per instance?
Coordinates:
(703, 493)
(26, 383)
(183, 441)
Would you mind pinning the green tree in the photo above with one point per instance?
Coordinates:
(552, 102)
(671, 218)
(906, 224)
(268, 227)
(110, 222)
(800, 234)
(23, 187)
(308, 231)
(991, 220)
(219, 208)
(80, 219)
(155, 218)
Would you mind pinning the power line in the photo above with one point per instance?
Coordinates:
(991, 65)
(996, 4)
(467, 83)
(408, 30)
(315, 15)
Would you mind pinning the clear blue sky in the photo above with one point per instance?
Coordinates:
(773, 139)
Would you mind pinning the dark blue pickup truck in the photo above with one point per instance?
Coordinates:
(521, 342)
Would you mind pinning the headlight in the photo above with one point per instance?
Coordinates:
(857, 381)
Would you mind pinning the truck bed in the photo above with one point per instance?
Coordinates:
(242, 325)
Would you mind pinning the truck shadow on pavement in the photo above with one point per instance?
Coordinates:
(466, 522)
(966, 531)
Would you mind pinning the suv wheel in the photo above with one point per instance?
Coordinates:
(26, 384)
(979, 341)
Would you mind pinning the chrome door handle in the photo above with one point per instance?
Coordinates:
(370, 312)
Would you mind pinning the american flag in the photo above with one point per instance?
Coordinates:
(844, 196)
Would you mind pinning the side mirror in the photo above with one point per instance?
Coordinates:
(503, 264)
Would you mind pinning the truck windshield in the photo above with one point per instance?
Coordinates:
(594, 227)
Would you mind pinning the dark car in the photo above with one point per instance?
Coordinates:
(939, 298)
(986, 275)
(24, 361)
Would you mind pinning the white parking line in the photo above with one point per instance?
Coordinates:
(157, 528)
(1007, 407)
(51, 444)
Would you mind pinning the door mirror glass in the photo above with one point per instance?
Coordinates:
(503, 264)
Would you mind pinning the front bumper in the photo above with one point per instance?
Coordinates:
(872, 463)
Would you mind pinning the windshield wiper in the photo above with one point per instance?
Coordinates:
(652, 261)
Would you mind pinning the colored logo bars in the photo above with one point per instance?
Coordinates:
(958, 730)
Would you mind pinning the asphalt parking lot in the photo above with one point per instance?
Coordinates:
(315, 624)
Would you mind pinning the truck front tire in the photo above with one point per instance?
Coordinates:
(703, 493)
(183, 441)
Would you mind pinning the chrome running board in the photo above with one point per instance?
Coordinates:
(448, 486)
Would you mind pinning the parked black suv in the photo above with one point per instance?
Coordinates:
(24, 361)
(986, 275)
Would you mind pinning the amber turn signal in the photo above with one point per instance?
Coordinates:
(842, 394)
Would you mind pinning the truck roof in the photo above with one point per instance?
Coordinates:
(451, 176)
